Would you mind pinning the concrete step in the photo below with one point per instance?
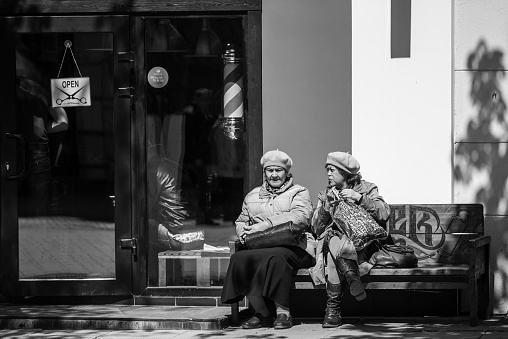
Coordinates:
(114, 316)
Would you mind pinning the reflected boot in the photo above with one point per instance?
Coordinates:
(332, 315)
(349, 269)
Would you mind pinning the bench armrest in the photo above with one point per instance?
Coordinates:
(479, 255)
(484, 240)
(479, 279)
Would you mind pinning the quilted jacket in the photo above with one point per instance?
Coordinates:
(291, 203)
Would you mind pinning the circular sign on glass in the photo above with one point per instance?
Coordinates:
(157, 77)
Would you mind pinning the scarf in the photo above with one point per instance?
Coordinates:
(282, 188)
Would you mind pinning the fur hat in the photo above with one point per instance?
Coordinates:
(276, 158)
(344, 161)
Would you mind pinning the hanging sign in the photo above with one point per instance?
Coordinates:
(157, 77)
(70, 92)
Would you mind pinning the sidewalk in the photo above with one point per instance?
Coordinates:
(124, 321)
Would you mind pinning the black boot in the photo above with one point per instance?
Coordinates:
(332, 316)
(349, 269)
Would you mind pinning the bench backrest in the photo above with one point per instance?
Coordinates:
(437, 232)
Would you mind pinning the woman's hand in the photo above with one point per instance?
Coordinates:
(330, 199)
(259, 227)
(348, 193)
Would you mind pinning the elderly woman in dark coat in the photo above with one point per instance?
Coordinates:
(336, 253)
(264, 275)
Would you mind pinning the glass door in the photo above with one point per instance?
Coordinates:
(65, 157)
(195, 145)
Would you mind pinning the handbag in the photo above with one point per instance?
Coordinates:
(357, 223)
(283, 235)
(394, 256)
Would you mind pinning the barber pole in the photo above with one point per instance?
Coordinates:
(232, 91)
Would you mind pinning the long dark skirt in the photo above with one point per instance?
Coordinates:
(265, 272)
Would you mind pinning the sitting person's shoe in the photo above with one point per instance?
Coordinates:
(258, 321)
(283, 321)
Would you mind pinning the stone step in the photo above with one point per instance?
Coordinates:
(117, 317)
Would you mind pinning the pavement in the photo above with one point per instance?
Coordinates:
(140, 321)
(63, 247)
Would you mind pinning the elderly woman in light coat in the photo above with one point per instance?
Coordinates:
(265, 275)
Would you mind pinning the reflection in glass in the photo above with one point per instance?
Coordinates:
(208, 42)
(65, 213)
(194, 172)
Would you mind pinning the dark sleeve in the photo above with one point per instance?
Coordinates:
(375, 204)
(321, 217)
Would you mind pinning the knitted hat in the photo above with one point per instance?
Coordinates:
(276, 158)
(344, 161)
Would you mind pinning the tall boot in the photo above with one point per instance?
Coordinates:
(332, 315)
(349, 269)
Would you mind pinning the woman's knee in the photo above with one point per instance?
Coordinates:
(335, 245)
(280, 263)
(241, 257)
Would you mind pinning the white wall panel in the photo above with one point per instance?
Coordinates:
(481, 124)
(402, 108)
(480, 106)
(478, 22)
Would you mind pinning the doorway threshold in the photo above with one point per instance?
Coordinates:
(113, 316)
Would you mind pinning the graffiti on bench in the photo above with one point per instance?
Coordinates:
(437, 233)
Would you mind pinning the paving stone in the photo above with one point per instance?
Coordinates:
(143, 321)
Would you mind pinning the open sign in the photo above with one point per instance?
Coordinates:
(70, 92)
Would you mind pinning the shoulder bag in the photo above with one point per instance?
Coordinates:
(284, 235)
(394, 256)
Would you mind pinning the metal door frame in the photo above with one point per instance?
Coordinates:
(122, 284)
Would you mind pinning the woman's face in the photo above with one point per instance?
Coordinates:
(335, 177)
(275, 176)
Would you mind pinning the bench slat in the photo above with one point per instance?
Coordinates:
(459, 270)
(437, 285)
(390, 285)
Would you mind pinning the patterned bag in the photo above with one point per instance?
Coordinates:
(357, 223)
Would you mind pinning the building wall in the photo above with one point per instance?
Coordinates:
(307, 83)
(426, 129)
(481, 124)
(402, 106)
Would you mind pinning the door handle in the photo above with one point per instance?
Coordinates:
(131, 244)
(20, 139)
(126, 92)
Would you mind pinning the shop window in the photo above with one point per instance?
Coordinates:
(65, 213)
(195, 157)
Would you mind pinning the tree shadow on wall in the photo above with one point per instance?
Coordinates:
(483, 150)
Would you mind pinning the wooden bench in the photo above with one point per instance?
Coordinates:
(452, 249)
